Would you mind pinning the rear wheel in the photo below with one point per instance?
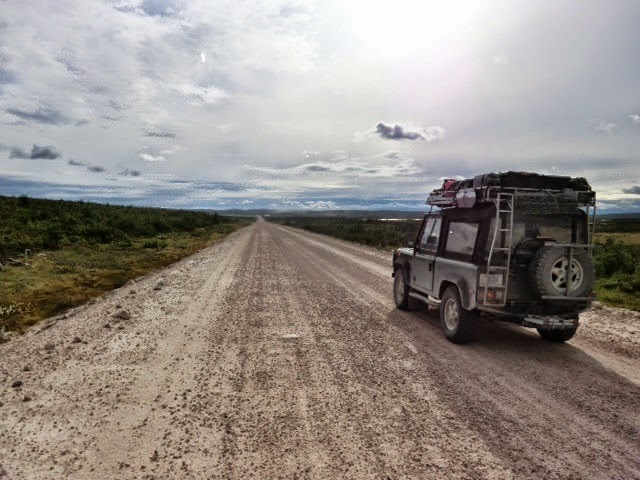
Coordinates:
(400, 290)
(557, 335)
(457, 323)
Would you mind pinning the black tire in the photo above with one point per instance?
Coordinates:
(456, 322)
(400, 290)
(557, 335)
(548, 273)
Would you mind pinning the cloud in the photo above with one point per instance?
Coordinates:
(152, 8)
(398, 132)
(431, 134)
(45, 152)
(17, 152)
(635, 118)
(7, 76)
(130, 173)
(90, 168)
(635, 190)
(345, 168)
(309, 204)
(606, 127)
(199, 95)
(160, 8)
(40, 115)
(147, 157)
(155, 132)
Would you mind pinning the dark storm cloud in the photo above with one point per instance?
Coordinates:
(396, 132)
(37, 151)
(76, 163)
(634, 190)
(41, 115)
(47, 152)
(95, 168)
(127, 172)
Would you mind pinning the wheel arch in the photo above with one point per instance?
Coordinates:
(405, 267)
(461, 284)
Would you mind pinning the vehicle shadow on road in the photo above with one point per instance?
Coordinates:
(512, 388)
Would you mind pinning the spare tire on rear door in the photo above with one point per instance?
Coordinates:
(549, 274)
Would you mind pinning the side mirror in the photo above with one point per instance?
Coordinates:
(409, 239)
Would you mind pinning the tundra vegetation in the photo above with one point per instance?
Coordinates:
(57, 254)
(616, 252)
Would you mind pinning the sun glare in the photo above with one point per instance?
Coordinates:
(406, 27)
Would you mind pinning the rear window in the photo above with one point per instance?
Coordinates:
(555, 227)
(461, 239)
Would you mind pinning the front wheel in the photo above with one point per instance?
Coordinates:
(557, 335)
(457, 323)
(400, 290)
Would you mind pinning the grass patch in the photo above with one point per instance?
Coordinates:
(56, 280)
(621, 237)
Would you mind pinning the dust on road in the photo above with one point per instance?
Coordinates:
(279, 353)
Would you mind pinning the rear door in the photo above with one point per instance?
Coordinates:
(425, 253)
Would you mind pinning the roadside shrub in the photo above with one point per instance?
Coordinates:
(615, 257)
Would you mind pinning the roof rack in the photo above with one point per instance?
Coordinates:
(532, 191)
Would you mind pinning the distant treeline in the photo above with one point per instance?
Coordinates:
(37, 224)
(612, 224)
(372, 232)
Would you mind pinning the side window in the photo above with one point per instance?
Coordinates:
(430, 235)
(424, 239)
(434, 236)
(461, 239)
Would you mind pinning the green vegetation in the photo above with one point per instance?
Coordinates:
(617, 263)
(616, 255)
(58, 254)
(368, 231)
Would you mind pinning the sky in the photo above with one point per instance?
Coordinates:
(302, 104)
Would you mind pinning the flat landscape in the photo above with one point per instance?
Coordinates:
(279, 353)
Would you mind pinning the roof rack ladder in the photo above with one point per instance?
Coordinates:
(501, 243)
(591, 227)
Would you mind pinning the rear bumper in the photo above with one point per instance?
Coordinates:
(550, 322)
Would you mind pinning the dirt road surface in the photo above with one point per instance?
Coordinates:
(280, 354)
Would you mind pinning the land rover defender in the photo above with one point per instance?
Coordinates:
(512, 245)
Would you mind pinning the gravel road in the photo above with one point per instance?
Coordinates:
(279, 353)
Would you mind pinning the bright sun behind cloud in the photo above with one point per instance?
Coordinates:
(407, 27)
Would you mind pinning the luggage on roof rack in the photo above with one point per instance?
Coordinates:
(530, 180)
(554, 189)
